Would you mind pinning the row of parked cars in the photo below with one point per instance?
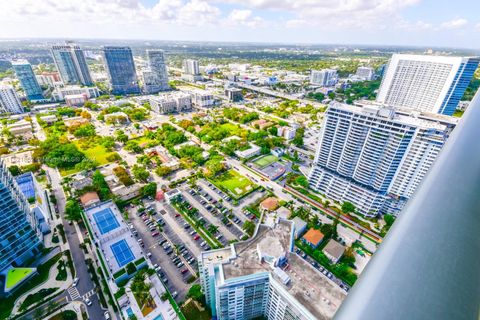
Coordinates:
(327, 273)
(195, 236)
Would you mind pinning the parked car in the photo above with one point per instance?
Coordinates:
(184, 271)
(156, 233)
(196, 237)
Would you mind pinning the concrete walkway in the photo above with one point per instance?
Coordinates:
(51, 282)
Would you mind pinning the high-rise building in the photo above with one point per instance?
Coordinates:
(27, 79)
(426, 83)
(121, 70)
(365, 73)
(71, 64)
(324, 78)
(376, 156)
(18, 239)
(156, 78)
(191, 67)
(263, 278)
(9, 101)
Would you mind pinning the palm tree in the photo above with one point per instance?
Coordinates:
(212, 229)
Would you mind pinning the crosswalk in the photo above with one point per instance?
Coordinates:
(73, 292)
(88, 294)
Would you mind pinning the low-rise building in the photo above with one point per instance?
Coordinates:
(89, 199)
(61, 93)
(254, 150)
(313, 238)
(261, 124)
(172, 194)
(234, 94)
(76, 100)
(21, 128)
(299, 227)
(286, 132)
(117, 118)
(277, 152)
(165, 157)
(203, 99)
(334, 251)
(49, 119)
(269, 204)
(75, 121)
(173, 102)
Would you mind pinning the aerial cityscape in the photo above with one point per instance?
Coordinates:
(162, 178)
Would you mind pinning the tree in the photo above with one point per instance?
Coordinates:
(302, 181)
(162, 171)
(298, 139)
(15, 170)
(389, 219)
(140, 173)
(212, 229)
(348, 207)
(73, 212)
(249, 227)
(120, 136)
(131, 269)
(195, 292)
(149, 190)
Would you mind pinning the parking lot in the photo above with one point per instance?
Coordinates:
(172, 259)
(213, 212)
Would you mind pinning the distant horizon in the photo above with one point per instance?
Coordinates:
(245, 42)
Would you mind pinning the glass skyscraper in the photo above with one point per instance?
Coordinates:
(18, 239)
(27, 79)
(121, 70)
(71, 64)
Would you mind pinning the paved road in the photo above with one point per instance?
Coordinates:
(85, 285)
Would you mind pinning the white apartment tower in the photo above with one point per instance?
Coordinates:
(191, 67)
(155, 79)
(376, 156)
(365, 73)
(426, 83)
(9, 101)
(324, 78)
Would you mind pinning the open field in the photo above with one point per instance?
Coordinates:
(234, 184)
(265, 161)
(94, 152)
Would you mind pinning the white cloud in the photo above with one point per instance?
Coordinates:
(364, 14)
(454, 24)
(244, 18)
(182, 12)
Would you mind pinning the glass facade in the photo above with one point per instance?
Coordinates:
(18, 240)
(27, 79)
(156, 79)
(460, 83)
(121, 70)
(71, 65)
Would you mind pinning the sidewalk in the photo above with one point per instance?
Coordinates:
(51, 282)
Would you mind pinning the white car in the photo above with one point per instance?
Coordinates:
(106, 315)
(149, 254)
(88, 302)
(75, 282)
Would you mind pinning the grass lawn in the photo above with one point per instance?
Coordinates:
(265, 161)
(234, 184)
(94, 152)
(16, 275)
(191, 312)
(232, 129)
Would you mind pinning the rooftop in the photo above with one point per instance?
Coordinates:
(269, 204)
(313, 236)
(334, 249)
(307, 285)
(89, 198)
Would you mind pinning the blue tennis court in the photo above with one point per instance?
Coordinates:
(106, 220)
(122, 252)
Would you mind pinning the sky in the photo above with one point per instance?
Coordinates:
(425, 23)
